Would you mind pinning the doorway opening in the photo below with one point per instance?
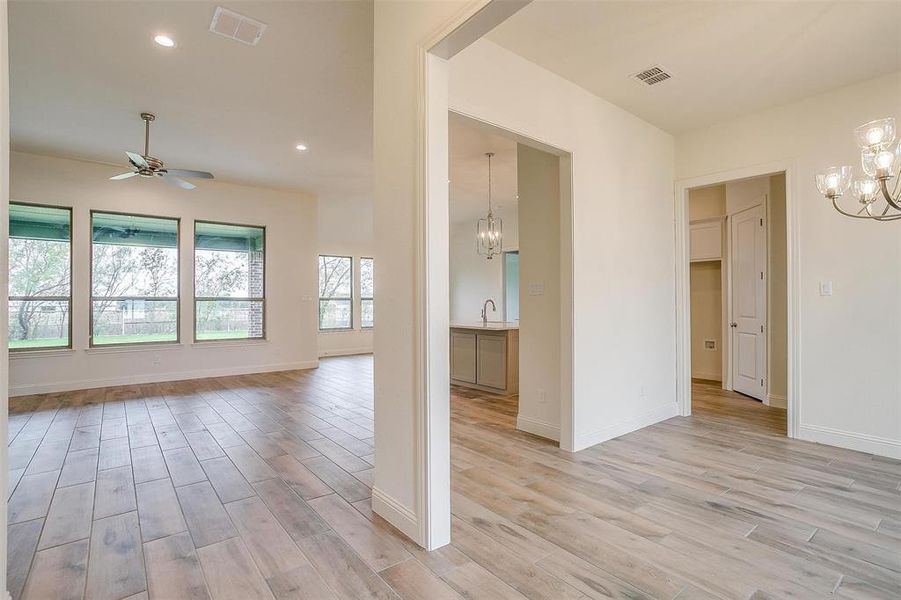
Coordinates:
(738, 297)
(505, 307)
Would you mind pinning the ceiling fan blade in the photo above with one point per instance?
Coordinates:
(177, 182)
(137, 160)
(188, 173)
(123, 176)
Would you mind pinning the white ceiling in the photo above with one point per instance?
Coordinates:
(82, 71)
(468, 171)
(728, 58)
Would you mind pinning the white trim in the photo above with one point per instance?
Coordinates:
(776, 399)
(708, 377)
(395, 513)
(40, 353)
(861, 442)
(128, 349)
(793, 275)
(226, 343)
(655, 415)
(539, 428)
(346, 351)
(84, 384)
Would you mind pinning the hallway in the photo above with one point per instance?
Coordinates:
(258, 486)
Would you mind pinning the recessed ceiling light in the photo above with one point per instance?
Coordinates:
(300, 147)
(164, 40)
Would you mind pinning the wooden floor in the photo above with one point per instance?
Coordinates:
(258, 487)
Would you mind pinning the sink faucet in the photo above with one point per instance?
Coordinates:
(485, 310)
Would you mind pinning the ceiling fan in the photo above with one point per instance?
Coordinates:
(148, 166)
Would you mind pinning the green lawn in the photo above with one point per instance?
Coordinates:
(46, 343)
(100, 340)
(126, 339)
(222, 335)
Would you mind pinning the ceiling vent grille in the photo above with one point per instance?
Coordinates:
(652, 75)
(232, 25)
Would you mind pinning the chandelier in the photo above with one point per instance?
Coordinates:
(880, 157)
(490, 230)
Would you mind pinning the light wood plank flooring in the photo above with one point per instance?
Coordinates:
(259, 486)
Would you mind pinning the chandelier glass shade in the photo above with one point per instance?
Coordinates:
(876, 185)
(490, 229)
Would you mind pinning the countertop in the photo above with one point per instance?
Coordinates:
(491, 326)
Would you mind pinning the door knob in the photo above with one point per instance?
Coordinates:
(733, 324)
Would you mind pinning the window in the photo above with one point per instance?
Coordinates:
(40, 277)
(229, 281)
(366, 292)
(335, 292)
(134, 279)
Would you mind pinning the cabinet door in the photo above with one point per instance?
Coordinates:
(492, 354)
(463, 356)
(706, 242)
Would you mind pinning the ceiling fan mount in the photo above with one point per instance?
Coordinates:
(149, 166)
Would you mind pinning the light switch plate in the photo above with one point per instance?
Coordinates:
(536, 289)
(825, 288)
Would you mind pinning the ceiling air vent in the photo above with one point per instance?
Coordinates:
(232, 25)
(652, 75)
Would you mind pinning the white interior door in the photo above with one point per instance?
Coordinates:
(748, 311)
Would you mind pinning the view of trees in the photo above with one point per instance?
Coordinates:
(222, 274)
(134, 293)
(39, 292)
(335, 285)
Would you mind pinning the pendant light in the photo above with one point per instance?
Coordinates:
(490, 231)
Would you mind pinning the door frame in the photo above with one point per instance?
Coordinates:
(793, 276)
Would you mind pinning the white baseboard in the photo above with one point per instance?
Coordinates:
(776, 400)
(707, 376)
(655, 415)
(396, 513)
(861, 442)
(345, 352)
(84, 384)
(539, 428)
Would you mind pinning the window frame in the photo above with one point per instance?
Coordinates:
(370, 298)
(350, 298)
(177, 339)
(9, 298)
(196, 298)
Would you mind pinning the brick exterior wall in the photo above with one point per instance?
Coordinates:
(256, 288)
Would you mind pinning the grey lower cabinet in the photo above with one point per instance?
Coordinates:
(485, 360)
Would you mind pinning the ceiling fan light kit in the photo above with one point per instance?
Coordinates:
(146, 165)
(880, 158)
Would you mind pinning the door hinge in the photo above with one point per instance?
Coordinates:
(761, 222)
(761, 329)
(761, 383)
(761, 275)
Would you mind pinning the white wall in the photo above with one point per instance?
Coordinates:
(850, 384)
(746, 193)
(473, 278)
(706, 319)
(539, 314)
(291, 287)
(345, 229)
(399, 493)
(623, 233)
(777, 293)
(4, 274)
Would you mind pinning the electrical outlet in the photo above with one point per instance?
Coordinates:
(536, 288)
(825, 288)
(156, 358)
(542, 397)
